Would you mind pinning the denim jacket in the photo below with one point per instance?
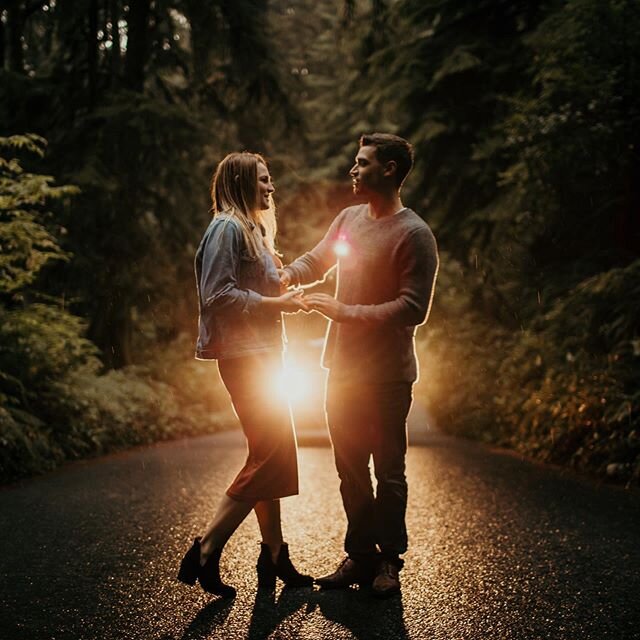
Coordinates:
(230, 283)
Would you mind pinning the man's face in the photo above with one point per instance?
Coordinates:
(367, 174)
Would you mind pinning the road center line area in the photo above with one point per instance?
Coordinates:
(499, 548)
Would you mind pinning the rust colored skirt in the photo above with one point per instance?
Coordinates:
(271, 468)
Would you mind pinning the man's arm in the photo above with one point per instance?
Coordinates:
(419, 259)
(313, 266)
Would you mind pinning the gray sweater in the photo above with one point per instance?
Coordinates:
(386, 274)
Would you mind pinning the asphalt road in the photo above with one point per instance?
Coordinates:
(500, 548)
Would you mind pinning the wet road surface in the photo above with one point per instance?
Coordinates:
(499, 548)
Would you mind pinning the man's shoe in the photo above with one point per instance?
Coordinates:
(387, 580)
(348, 572)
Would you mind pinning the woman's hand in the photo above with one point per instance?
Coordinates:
(293, 301)
(289, 302)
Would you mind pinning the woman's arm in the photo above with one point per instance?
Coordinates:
(289, 302)
(219, 276)
(220, 268)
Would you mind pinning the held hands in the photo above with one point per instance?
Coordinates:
(325, 304)
(289, 301)
(285, 280)
(320, 302)
(292, 301)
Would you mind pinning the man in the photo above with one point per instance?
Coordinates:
(387, 263)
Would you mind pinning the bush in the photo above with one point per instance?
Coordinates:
(56, 403)
(564, 391)
(570, 384)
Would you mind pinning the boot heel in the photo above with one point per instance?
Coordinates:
(209, 577)
(190, 565)
(266, 581)
(187, 577)
(288, 573)
(266, 568)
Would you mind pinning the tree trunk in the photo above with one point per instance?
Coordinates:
(114, 11)
(68, 42)
(3, 44)
(201, 19)
(111, 331)
(15, 29)
(92, 51)
(137, 49)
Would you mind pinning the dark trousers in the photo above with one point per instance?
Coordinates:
(368, 420)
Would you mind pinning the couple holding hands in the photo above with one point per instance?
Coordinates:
(387, 263)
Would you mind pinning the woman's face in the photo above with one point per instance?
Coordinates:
(265, 187)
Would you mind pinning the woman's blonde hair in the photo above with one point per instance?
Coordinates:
(234, 192)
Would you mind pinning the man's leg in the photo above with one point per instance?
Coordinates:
(389, 437)
(347, 418)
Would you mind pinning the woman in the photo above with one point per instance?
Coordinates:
(240, 326)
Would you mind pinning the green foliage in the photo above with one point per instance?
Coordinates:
(564, 390)
(40, 344)
(57, 405)
(459, 353)
(528, 136)
(26, 244)
(55, 402)
(574, 145)
(86, 414)
(569, 387)
(525, 119)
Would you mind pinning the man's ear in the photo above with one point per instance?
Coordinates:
(390, 168)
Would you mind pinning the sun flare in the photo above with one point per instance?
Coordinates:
(294, 384)
(341, 248)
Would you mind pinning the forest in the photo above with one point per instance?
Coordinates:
(525, 118)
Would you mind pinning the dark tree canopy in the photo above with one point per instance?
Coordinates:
(525, 120)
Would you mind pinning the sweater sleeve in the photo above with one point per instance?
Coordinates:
(314, 265)
(220, 267)
(419, 266)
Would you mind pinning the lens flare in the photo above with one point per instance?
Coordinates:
(341, 248)
(294, 384)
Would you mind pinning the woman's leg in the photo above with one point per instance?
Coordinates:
(268, 514)
(228, 518)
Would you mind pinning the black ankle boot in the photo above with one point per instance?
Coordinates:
(283, 568)
(209, 577)
(208, 574)
(190, 565)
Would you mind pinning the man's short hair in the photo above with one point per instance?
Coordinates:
(390, 147)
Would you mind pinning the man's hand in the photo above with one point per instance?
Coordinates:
(326, 305)
(285, 280)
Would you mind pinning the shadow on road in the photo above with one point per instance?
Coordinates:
(365, 617)
(355, 610)
(351, 609)
(209, 617)
(269, 612)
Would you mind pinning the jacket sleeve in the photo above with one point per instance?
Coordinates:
(418, 257)
(314, 265)
(220, 267)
